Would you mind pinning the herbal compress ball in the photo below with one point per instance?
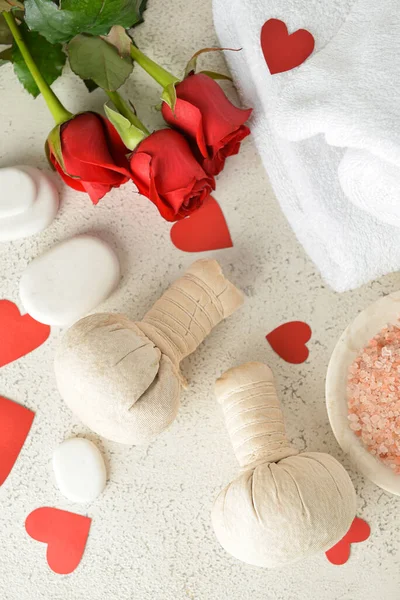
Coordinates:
(283, 506)
(121, 378)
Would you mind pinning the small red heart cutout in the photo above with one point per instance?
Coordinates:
(358, 532)
(205, 229)
(65, 534)
(19, 334)
(15, 423)
(283, 52)
(289, 341)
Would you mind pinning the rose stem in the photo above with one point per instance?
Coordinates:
(163, 77)
(127, 112)
(59, 112)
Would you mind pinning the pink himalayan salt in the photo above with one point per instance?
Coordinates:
(373, 396)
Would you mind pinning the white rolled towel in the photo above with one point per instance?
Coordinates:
(335, 232)
(371, 184)
(349, 90)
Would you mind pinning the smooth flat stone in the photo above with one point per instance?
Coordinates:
(17, 191)
(69, 281)
(38, 216)
(79, 470)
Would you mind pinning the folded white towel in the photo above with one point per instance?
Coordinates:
(371, 184)
(349, 246)
(349, 91)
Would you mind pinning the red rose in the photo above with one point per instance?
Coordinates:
(214, 125)
(93, 154)
(164, 169)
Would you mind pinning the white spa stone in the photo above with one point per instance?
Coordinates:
(69, 280)
(37, 215)
(79, 470)
(17, 191)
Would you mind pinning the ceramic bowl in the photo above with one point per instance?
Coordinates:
(357, 335)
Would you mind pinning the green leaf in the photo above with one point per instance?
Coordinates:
(19, 14)
(8, 5)
(130, 135)
(49, 58)
(5, 33)
(61, 24)
(141, 6)
(93, 58)
(120, 39)
(215, 75)
(192, 64)
(169, 95)
(53, 144)
(6, 56)
(90, 85)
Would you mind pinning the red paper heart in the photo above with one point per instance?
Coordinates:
(283, 52)
(19, 334)
(65, 534)
(358, 532)
(205, 229)
(289, 341)
(15, 423)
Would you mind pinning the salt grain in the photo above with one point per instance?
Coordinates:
(373, 396)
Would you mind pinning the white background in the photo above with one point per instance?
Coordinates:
(151, 537)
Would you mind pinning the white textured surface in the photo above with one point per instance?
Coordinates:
(151, 536)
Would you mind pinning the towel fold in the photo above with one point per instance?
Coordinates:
(371, 184)
(349, 245)
(349, 91)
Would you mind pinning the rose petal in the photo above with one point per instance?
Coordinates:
(86, 152)
(188, 119)
(97, 191)
(220, 116)
(75, 184)
(140, 170)
(164, 169)
(229, 146)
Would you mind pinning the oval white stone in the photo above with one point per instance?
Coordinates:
(17, 191)
(79, 470)
(70, 280)
(38, 215)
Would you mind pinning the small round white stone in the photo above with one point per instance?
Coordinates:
(69, 281)
(79, 470)
(17, 191)
(38, 216)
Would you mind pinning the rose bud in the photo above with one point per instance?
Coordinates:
(89, 155)
(165, 171)
(205, 115)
